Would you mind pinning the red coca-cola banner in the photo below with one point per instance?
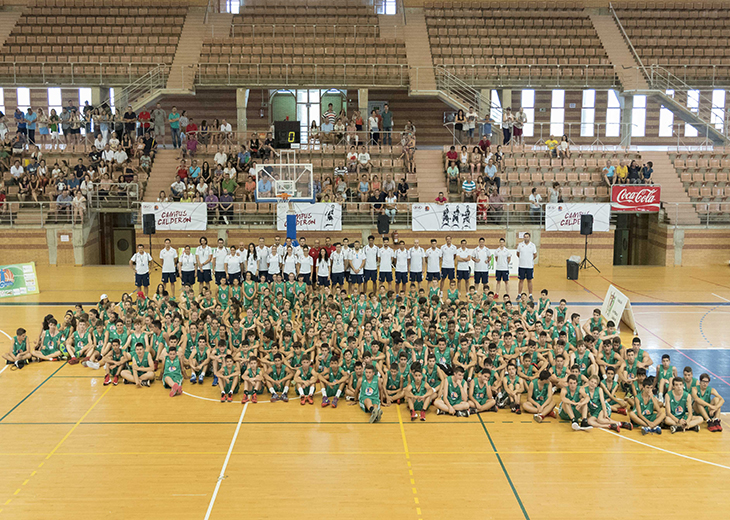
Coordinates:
(635, 198)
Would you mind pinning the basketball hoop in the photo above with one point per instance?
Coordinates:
(283, 198)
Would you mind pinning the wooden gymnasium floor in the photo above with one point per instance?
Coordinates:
(72, 447)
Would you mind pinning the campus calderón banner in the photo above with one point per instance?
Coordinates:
(444, 217)
(18, 280)
(320, 216)
(566, 216)
(635, 198)
(178, 216)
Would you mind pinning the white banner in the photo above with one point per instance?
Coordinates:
(444, 217)
(566, 216)
(178, 216)
(320, 216)
(617, 308)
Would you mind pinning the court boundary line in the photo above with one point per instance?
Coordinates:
(408, 462)
(221, 476)
(504, 469)
(665, 451)
(718, 296)
(33, 391)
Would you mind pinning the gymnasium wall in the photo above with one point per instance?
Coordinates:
(53, 245)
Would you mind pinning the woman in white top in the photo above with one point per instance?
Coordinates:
(274, 263)
(252, 261)
(564, 148)
(229, 170)
(162, 197)
(305, 266)
(87, 186)
(290, 262)
(202, 187)
(471, 123)
(232, 265)
(323, 268)
(79, 206)
(390, 206)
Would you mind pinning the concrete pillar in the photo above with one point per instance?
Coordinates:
(52, 240)
(241, 105)
(362, 104)
(678, 246)
(120, 99)
(506, 98)
(98, 95)
(627, 106)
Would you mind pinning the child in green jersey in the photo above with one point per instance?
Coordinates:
(648, 414)
(333, 382)
(278, 378)
(140, 368)
(680, 410)
(481, 398)
(48, 347)
(20, 355)
(540, 398)
(418, 394)
(708, 403)
(253, 381)
(306, 381)
(599, 415)
(371, 387)
(114, 362)
(228, 379)
(173, 371)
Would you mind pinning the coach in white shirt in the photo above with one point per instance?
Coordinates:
(463, 269)
(371, 263)
(168, 255)
(357, 265)
(187, 267)
(347, 254)
(502, 258)
(481, 256)
(527, 253)
(433, 258)
(385, 254)
(219, 257)
(140, 264)
(262, 252)
(448, 254)
(204, 255)
(232, 264)
(337, 267)
(415, 255)
(401, 267)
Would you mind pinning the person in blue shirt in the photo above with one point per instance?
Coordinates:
(30, 119)
(264, 187)
(20, 121)
(609, 173)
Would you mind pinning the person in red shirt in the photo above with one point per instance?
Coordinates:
(192, 128)
(182, 170)
(314, 253)
(328, 246)
(144, 118)
(485, 144)
(451, 155)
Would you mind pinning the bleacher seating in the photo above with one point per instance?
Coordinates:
(473, 40)
(99, 40)
(675, 34)
(705, 176)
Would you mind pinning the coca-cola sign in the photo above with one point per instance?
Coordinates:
(635, 198)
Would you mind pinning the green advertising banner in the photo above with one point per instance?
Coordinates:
(18, 280)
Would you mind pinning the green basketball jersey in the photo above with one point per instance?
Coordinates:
(539, 395)
(480, 392)
(646, 409)
(19, 346)
(370, 390)
(678, 407)
(453, 391)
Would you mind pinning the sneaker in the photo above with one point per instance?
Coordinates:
(512, 409)
(147, 383)
(645, 430)
(254, 398)
(575, 426)
(552, 414)
(274, 397)
(93, 365)
(230, 397)
(284, 397)
(245, 399)
(423, 415)
(695, 428)
(224, 398)
(584, 425)
(374, 415)
(115, 381)
(657, 430)
(460, 413)
(125, 382)
(325, 402)
(73, 361)
(621, 411)
(494, 409)
(439, 411)
(673, 429)
(303, 400)
(627, 425)
(718, 425)
(107, 380)
(615, 427)
(538, 418)
(310, 399)
(518, 411)
(334, 402)
(379, 415)
(413, 415)
(173, 390)
(193, 379)
(201, 378)
(83, 363)
(215, 381)
(179, 390)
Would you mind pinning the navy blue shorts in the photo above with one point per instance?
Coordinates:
(338, 278)
(371, 275)
(231, 277)
(447, 272)
(204, 276)
(524, 273)
(269, 276)
(462, 274)
(219, 275)
(433, 276)
(348, 274)
(481, 277)
(187, 277)
(357, 278)
(416, 276)
(142, 280)
(307, 278)
(401, 277)
(324, 281)
(169, 277)
(502, 276)
(385, 276)
(265, 274)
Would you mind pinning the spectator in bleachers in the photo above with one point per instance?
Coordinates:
(16, 171)
(477, 158)
(403, 188)
(520, 118)
(564, 148)
(482, 206)
(468, 189)
(452, 155)
(363, 188)
(357, 118)
(459, 123)
(42, 123)
(63, 204)
(471, 123)
(191, 129)
(54, 123)
(390, 206)
(452, 173)
(205, 172)
(130, 122)
(36, 189)
(220, 157)
(144, 117)
(554, 193)
(622, 173)
(194, 171)
(552, 147)
(441, 198)
(634, 173)
(373, 128)
(363, 160)
(75, 131)
(20, 124)
(120, 157)
(313, 133)
(490, 171)
(351, 160)
(464, 159)
(484, 144)
(535, 207)
(496, 206)
(328, 119)
(264, 186)
(99, 142)
(78, 204)
(254, 146)
(375, 185)
(508, 121)
(226, 205)
(249, 187)
(388, 124)
(339, 131)
(212, 202)
(174, 120)
(269, 147)
(202, 187)
(389, 184)
(243, 159)
(204, 133)
(184, 122)
(229, 171)
(646, 171)
(177, 189)
(191, 144)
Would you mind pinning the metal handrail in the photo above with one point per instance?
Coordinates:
(462, 91)
(709, 213)
(501, 77)
(628, 40)
(76, 73)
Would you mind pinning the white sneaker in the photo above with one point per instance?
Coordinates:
(93, 365)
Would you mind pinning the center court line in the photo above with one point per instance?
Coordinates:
(225, 463)
(504, 469)
(665, 451)
(408, 461)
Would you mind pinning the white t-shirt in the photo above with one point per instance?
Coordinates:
(481, 259)
(219, 257)
(234, 263)
(305, 264)
(141, 262)
(432, 259)
(290, 264)
(168, 257)
(252, 264)
(187, 262)
(401, 260)
(357, 261)
(502, 257)
(278, 250)
(535, 200)
(337, 260)
(323, 269)
(203, 253)
(415, 254)
(263, 255)
(347, 255)
(274, 263)
(463, 253)
(448, 253)
(364, 158)
(371, 258)
(386, 258)
(526, 252)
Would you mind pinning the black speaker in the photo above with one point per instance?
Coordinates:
(383, 224)
(148, 223)
(286, 133)
(586, 224)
